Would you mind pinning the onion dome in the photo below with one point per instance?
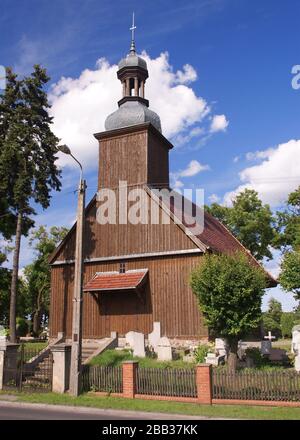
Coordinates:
(133, 107)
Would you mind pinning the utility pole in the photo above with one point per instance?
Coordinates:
(75, 369)
(75, 373)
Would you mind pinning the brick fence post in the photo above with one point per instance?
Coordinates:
(129, 378)
(204, 383)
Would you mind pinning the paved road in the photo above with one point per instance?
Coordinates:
(31, 411)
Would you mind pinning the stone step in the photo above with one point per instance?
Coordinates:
(89, 350)
(34, 379)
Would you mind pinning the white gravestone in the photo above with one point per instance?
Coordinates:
(296, 346)
(295, 337)
(154, 336)
(130, 338)
(221, 347)
(164, 349)
(212, 359)
(137, 343)
(269, 337)
(242, 347)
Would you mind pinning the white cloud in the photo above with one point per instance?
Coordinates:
(184, 138)
(218, 123)
(256, 155)
(275, 177)
(187, 75)
(214, 198)
(193, 168)
(177, 184)
(236, 159)
(81, 105)
(177, 105)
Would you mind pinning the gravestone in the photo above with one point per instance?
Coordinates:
(212, 359)
(295, 337)
(296, 345)
(269, 337)
(129, 337)
(221, 347)
(154, 336)
(265, 348)
(164, 349)
(242, 347)
(136, 341)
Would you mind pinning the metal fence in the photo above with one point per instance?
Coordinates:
(177, 382)
(256, 385)
(25, 371)
(101, 378)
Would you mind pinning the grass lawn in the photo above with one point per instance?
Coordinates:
(284, 344)
(214, 411)
(116, 357)
(35, 346)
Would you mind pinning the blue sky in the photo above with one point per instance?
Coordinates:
(241, 54)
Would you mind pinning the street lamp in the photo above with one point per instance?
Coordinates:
(75, 370)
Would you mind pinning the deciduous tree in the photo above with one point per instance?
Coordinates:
(289, 277)
(272, 318)
(288, 223)
(250, 221)
(37, 274)
(229, 291)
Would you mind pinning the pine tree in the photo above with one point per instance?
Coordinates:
(28, 171)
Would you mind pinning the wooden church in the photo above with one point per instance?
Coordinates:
(135, 274)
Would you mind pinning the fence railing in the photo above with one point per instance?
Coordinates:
(21, 374)
(257, 385)
(201, 383)
(175, 382)
(101, 378)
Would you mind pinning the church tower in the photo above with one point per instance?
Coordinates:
(132, 148)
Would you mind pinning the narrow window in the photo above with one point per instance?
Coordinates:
(122, 268)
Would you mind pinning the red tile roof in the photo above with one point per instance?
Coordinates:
(213, 235)
(104, 281)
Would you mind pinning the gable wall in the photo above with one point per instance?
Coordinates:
(117, 239)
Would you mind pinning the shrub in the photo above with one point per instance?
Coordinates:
(201, 352)
(255, 354)
(22, 327)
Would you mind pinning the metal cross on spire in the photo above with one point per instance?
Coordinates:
(132, 29)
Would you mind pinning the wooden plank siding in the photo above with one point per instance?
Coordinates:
(137, 154)
(167, 298)
(113, 160)
(115, 240)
